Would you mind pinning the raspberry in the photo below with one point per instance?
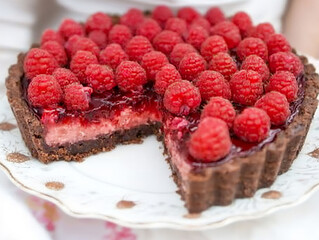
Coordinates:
(149, 29)
(181, 98)
(211, 84)
(285, 83)
(278, 43)
(165, 77)
(196, 36)
(152, 62)
(276, 106)
(179, 51)
(51, 35)
(137, 47)
(188, 14)
(246, 87)
(203, 22)
(130, 76)
(223, 63)
(221, 108)
(44, 91)
(39, 61)
(100, 77)
(69, 27)
(120, 34)
(229, 31)
(77, 97)
(252, 125)
(255, 63)
(214, 15)
(166, 40)
(98, 21)
(85, 44)
(243, 21)
(99, 38)
(209, 144)
(113, 55)
(177, 25)
(263, 31)
(57, 51)
(132, 18)
(285, 61)
(213, 45)
(69, 45)
(191, 66)
(250, 46)
(64, 77)
(79, 63)
(161, 14)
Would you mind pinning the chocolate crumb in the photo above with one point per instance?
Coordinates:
(271, 195)
(17, 157)
(192, 215)
(55, 185)
(123, 204)
(5, 126)
(314, 153)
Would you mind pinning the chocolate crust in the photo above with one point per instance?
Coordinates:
(219, 185)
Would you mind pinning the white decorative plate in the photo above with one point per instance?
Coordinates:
(139, 175)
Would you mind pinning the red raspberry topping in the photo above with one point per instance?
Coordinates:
(152, 62)
(100, 77)
(179, 51)
(69, 27)
(196, 36)
(165, 77)
(57, 51)
(255, 63)
(113, 55)
(214, 15)
(64, 77)
(120, 34)
(181, 98)
(149, 29)
(85, 44)
(243, 21)
(229, 31)
(188, 14)
(213, 45)
(285, 83)
(166, 40)
(211, 84)
(99, 38)
(263, 31)
(137, 47)
(44, 91)
(69, 45)
(252, 125)
(39, 61)
(276, 106)
(277, 43)
(161, 14)
(203, 22)
(246, 87)
(130, 76)
(77, 97)
(191, 66)
(285, 61)
(80, 61)
(51, 35)
(223, 63)
(132, 18)
(98, 21)
(177, 25)
(209, 144)
(252, 46)
(221, 108)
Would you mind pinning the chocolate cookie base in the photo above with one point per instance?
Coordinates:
(200, 189)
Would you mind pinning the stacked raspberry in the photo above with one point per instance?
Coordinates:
(243, 76)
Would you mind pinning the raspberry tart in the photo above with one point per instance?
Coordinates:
(231, 102)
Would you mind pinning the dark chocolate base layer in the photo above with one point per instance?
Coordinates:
(200, 189)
